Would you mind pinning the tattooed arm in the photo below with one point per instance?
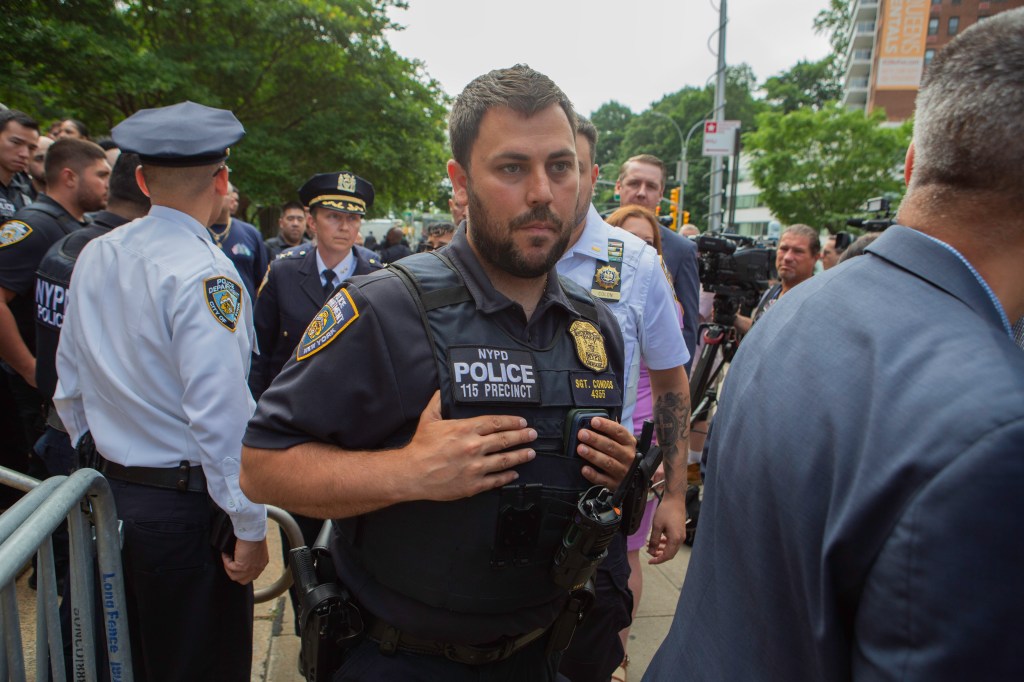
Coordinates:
(671, 392)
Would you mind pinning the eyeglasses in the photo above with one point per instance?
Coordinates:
(220, 168)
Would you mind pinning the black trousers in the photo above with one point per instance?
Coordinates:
(187, 620)
(596, 650)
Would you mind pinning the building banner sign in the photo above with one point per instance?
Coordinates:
(902, 44)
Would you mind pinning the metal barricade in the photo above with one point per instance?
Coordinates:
(291, 530)
(26, 529)
(27, 511)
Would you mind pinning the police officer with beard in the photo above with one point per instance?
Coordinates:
(425, 409)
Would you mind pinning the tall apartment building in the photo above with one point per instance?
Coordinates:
(892, 42)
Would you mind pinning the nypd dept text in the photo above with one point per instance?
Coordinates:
(50, 298)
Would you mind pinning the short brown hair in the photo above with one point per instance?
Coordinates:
(518, 88)
(70, 152)
(589, 132)
(649, 159)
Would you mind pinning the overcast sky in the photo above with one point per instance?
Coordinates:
(631, 51)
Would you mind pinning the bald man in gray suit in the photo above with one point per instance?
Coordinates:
(865, 474)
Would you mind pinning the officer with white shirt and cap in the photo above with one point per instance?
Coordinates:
(620, 269)
(152, 365)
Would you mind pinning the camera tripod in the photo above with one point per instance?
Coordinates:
(720, 343)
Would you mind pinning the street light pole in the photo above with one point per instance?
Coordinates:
(684, 167)
(686, 172)
(681, 172)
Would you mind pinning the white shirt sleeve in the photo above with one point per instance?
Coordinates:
(212, 362)
(67, 396)
(661, 336)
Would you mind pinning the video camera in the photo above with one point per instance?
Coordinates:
(882, 219)
(737, 269)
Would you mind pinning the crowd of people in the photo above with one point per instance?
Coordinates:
(861, 474)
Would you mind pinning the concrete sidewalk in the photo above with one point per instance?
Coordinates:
(276, 648)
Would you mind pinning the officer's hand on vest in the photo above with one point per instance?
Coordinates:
(251, 557)
(455, 458)
(610, 448)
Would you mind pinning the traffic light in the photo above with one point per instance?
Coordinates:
(686, 218)
(674, 208)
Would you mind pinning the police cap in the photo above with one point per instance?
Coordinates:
(341, 191)
(185, 134)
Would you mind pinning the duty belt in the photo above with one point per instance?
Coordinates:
(391, 640)
(185, 477)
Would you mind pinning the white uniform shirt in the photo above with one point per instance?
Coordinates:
(343, 270)
(646, 311)
(146, 367)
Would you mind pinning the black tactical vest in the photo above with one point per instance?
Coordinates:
(491, 553)
(52, 280)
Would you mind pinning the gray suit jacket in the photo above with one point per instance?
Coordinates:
(865, 486)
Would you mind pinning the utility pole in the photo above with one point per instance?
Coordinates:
(718, 162)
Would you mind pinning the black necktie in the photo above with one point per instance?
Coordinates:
(330, 280)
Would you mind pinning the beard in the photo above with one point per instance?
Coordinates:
(495, 244)
(91, 201)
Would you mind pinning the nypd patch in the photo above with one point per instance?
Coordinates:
(12, 232)
(337, 314)
(224, 299)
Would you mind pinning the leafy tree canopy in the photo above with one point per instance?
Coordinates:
(818, 167)
(314, 82)
(624, 134)
(807, 84)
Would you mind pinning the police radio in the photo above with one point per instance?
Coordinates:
(597, 518)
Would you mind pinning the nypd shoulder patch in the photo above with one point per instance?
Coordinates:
(224, 300)
(12, 232)
(337, 314)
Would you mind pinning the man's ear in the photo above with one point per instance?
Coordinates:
(141, 180)
(594, 173)
(221, 183)
(460, 182)
(68, 177)
(908, 167)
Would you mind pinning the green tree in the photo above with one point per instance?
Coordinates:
(807, 84)
(611, 120)
(314, 82)
(818, 167)
(649, 134)
(834, 21)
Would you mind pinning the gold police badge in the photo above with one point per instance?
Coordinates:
(347, 182)
(589, 345)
